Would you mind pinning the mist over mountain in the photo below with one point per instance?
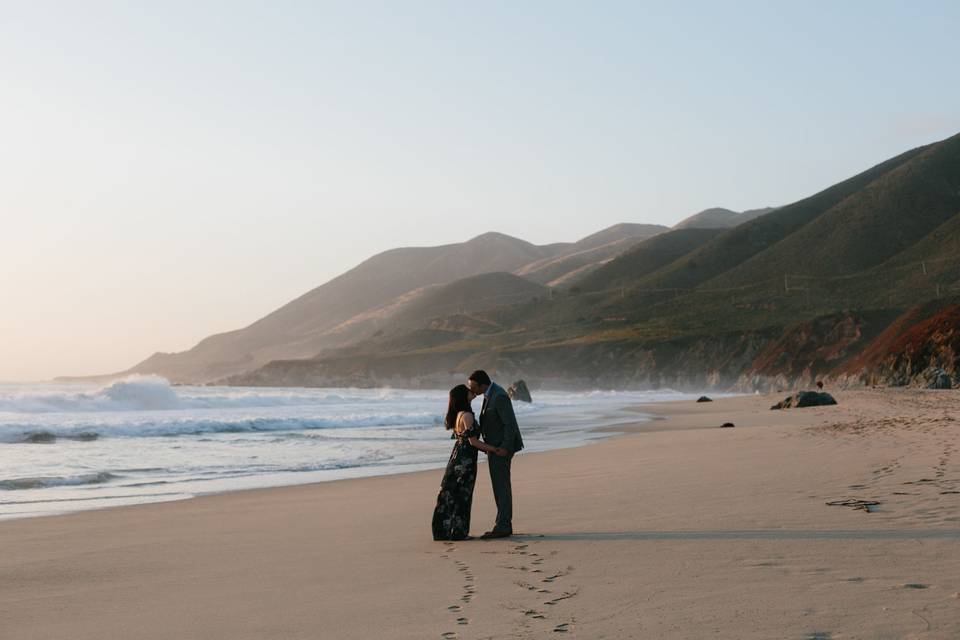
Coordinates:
(703, 304)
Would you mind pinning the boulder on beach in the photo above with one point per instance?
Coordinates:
(519, 391)
(805, 399)
(727, 425)
(704, 399)
(939, 379)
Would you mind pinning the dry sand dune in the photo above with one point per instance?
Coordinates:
(679, 529)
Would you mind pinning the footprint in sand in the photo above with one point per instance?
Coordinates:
(562, 628)
(469, 591)
(449, 635)
(463, 621)
(558, 574)
(565, 596)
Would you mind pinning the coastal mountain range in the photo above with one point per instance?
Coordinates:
(763, 298)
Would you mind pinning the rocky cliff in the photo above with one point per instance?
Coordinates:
(881, 347)
(922, 348)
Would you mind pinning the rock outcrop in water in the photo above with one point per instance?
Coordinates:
(519, 391)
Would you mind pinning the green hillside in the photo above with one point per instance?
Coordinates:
(741, 243)
(648, 257)
(886, 217)
(576, 260)
(469, 295)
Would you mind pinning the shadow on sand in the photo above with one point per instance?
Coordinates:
(760, 534)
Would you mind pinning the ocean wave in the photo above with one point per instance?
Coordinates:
(133, 393)
(45, 436)
(99, 498)
(155, 393)
(40, 482)
(213, 475)
(12, 432)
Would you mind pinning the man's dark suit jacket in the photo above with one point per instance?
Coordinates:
(498, 424)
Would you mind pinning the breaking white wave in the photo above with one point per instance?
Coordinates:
(45, 433)
(39, 482)
(154, 393)
(131, 394)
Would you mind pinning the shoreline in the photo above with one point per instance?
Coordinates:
(689, 530)
(570, 431)
(613, 431)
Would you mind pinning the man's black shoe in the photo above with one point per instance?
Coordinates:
(490, 535)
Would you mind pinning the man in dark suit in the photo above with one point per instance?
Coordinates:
(498, 428)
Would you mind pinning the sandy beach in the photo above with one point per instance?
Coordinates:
(678, 529)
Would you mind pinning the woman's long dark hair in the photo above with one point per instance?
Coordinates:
(459, 401)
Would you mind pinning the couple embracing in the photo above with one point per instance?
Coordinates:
(496, 433)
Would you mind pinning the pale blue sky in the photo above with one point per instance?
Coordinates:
(170, 170)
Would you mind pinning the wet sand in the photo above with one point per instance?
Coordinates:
(678, 529)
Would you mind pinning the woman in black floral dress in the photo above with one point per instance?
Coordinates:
(451, 517)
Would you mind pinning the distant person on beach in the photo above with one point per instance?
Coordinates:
(498, 428)
(451, 517)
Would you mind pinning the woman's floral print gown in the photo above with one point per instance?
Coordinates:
(451, 518)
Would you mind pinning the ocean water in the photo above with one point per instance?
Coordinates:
(70, 447)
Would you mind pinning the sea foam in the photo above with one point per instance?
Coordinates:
(155, 393)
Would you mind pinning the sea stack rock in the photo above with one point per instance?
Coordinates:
(519, 391)
(806, 399)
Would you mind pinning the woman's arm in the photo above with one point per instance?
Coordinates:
(465, 423)
(499, 451)
(475, 442)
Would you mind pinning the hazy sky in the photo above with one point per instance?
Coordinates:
(170, 170)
